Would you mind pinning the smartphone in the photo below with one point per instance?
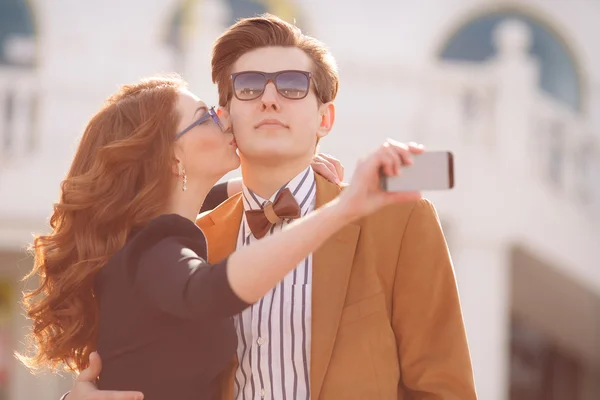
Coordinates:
(431, 170)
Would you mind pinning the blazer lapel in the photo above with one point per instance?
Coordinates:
(332, 264)
(221, 227)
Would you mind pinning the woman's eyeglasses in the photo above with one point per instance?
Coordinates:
(211, 113)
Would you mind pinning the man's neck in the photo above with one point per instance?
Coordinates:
(265, 180)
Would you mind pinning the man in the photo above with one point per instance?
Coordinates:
(373, 314)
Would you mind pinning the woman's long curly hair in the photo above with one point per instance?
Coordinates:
(119, 180)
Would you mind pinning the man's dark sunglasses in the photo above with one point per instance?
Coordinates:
(211, 113)
(250, 85)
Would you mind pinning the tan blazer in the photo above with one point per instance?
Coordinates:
(386, 317)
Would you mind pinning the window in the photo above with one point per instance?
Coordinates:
(17, 46)
(237, 9)
(17, 63)
(246, 8)
(558, 72)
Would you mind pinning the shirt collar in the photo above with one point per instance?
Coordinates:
(302, 187)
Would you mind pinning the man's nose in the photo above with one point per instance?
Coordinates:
(269, 97)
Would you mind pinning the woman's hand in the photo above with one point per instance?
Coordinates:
(328, 167)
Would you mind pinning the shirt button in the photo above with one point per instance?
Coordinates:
(260, 341)
(262, 393)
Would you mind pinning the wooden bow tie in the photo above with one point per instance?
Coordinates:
(285, 206)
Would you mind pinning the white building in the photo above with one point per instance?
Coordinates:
(511, 87)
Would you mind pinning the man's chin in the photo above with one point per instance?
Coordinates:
(268, 156)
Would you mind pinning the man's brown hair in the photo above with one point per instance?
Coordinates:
(268, 30)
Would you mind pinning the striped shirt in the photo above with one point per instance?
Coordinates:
(274, 334)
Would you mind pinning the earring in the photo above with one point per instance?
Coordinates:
(182, 173)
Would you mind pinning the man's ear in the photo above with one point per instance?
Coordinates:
(223, 112)
(326, 119)
(224, 116)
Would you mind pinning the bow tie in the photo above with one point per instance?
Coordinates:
(285, 206)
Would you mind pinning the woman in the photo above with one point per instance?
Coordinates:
(124, 268)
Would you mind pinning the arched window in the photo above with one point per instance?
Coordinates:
(245, 9)
(18, 94)
(17, 45)
(284, 9)
(558, 71)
